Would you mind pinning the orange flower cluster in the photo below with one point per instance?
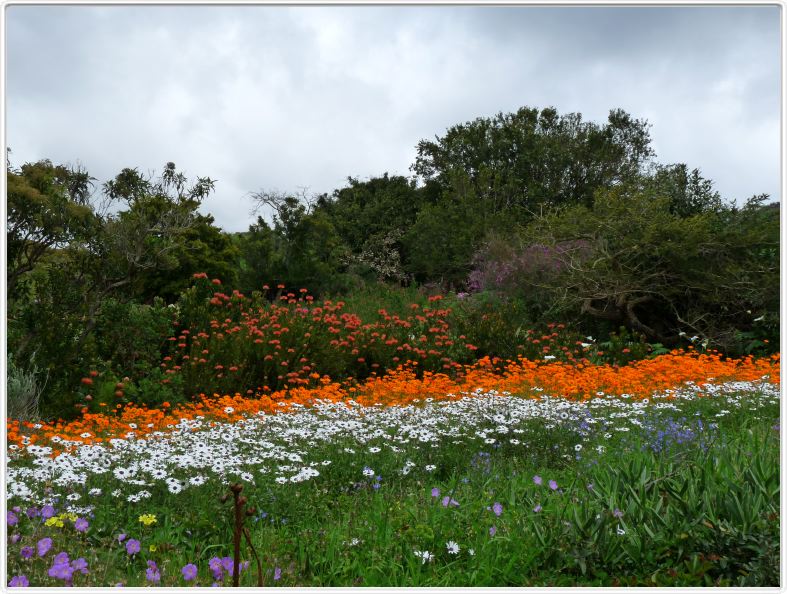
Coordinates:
(402, 386)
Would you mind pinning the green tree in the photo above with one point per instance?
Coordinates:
(48, 208)
(520, 161)
(640, 264)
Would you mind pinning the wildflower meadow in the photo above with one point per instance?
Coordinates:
(523, 472)
(542, 359)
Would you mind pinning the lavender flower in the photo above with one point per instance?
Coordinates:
(492, 530)
(435, 492)
(537, 508)
(133, 546)
(121, 537)
(497, 508)
(80, 565)
(81, 525)
(617, 513)
(26, 552)
(47, 512)
(449, 501)
(189, 572)
(15, 538)
(33, 512)
(277, 574)
(19, 581)
(43, 546)
(538, 480)
(152, 573)
(553, 485)
(11, 519)
(216, 568)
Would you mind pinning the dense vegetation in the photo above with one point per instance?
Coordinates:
(522, 220)
(542, 360)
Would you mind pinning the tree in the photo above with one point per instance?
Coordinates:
(48, 208)
(519, 161)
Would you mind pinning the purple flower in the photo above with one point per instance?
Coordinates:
(493, 531)
(17, 509)
(32, 512)
(449, 501)
(277, 574)
(61, 571)
(189, 572)
(435, 492)
(19, 581)
(60, 558)
(11, 519)
(537, 508)
(133, 546)
(15, 538)
(617, 513)
(152, 573)
(537, 480)
(553, 485)
(497, 508)
(26, 552)
(79, 565)
(81, 525)
(227, 564)
(43, 546)
(47, 512)
(121, 537)
(216, 568)
(590, 486)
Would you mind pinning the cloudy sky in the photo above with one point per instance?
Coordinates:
(285, 97)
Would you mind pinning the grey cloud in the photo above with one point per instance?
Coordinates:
(280, 97)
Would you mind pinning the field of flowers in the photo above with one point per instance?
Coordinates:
(524, 473)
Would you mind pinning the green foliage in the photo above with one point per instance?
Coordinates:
(47, 207)
(518, 161)
(661, 274)
(130, 337)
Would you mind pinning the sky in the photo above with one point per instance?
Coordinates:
(286, 98)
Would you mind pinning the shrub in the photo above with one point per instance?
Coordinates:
(24, 390)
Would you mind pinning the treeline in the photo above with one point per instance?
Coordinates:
(545, 216)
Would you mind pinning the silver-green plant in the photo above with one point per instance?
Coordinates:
(23, 389)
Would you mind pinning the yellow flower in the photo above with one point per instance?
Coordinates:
(147, 519)
(153, 548)
(54, 521)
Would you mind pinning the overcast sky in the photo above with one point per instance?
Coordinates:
(286, 97)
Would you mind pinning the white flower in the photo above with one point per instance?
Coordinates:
(229, 410)
(452, 547)
(374, 450)
(548, 357)
(430, 467)
(368, 471)
(281, 480)
(471, 552)
(425, 556)
(577, 447)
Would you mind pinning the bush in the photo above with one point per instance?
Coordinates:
(23, 392)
